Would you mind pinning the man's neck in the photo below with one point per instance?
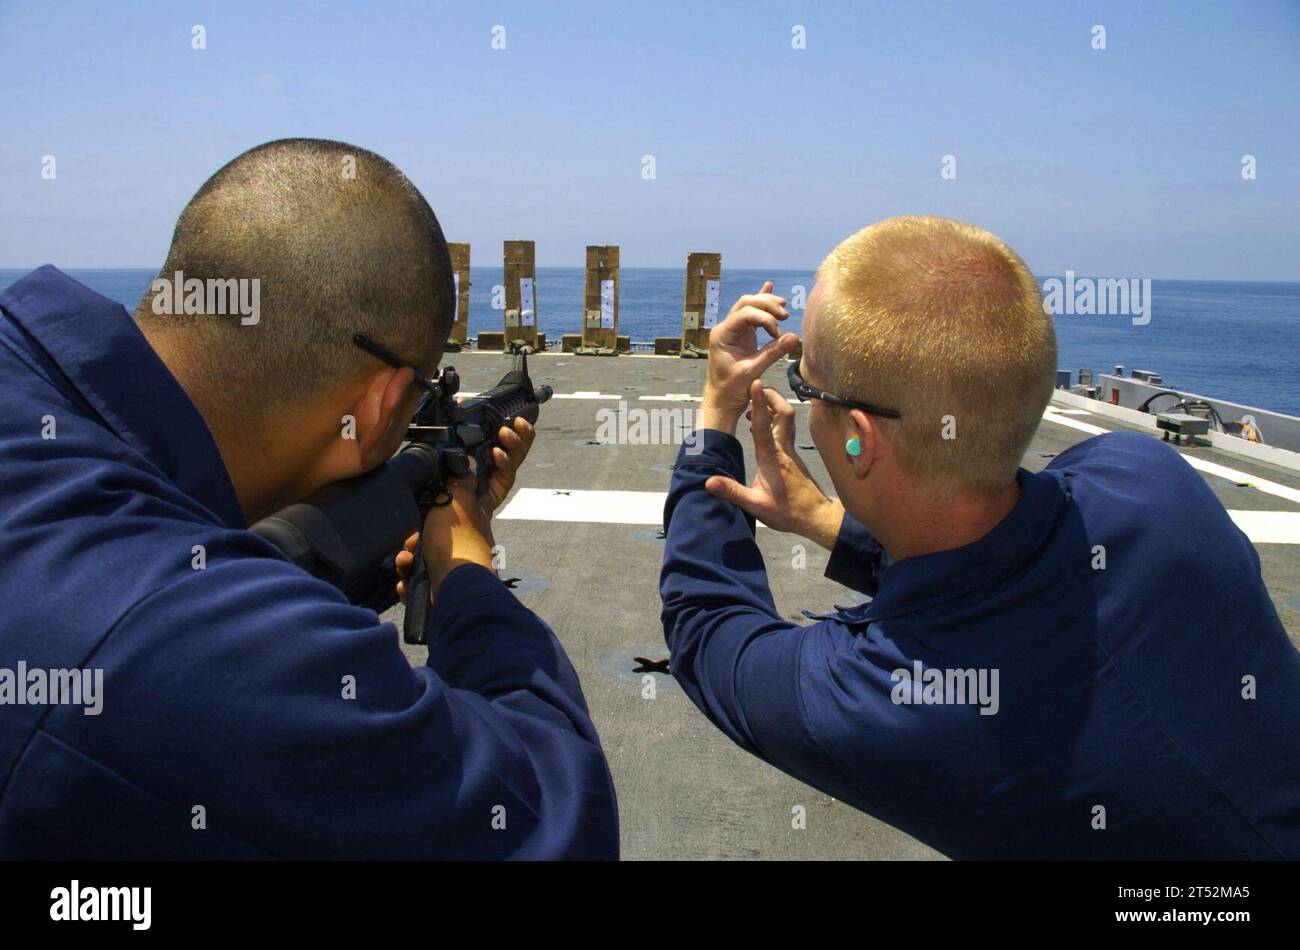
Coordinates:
(257, 454)
(256, 468)
(914, 525)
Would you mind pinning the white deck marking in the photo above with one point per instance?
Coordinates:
(647, 508)
(1254, 481)
(580, 394)
(1058, 416)
(668, 397)
(1236, 476)
(1268, 527)
(1051, 414)
(1054, 415)
(597, 507)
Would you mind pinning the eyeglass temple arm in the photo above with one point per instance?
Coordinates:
(379, 352)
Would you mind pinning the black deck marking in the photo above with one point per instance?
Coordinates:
(646, 665)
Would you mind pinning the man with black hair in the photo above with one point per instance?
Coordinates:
(247, 709)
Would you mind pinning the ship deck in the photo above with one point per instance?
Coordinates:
(588, 564)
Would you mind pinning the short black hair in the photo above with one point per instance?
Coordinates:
(341, 243)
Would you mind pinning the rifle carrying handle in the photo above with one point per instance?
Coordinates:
(417, 601)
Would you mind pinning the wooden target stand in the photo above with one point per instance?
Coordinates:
(600, 302)
(700, 304)
(459, 336)
(521, 294)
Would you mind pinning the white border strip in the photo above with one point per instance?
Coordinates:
(1254, 481)
(1268, 527)
(1051, 415)
(1236, 476)
(579, 506)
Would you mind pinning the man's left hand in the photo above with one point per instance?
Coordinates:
(736, 360)
(463, 530)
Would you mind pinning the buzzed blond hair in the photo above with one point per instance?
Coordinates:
(942, 321)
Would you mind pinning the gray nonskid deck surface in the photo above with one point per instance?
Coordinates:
(684, 790)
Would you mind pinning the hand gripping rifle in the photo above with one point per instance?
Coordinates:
(348, 533)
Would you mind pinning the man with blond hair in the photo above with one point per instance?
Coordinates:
(1030, 678)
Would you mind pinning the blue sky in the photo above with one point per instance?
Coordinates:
(1125, 161)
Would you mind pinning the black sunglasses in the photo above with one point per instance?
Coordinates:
(396, 362)
(805, 391)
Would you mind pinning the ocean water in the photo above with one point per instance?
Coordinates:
(1230, 340)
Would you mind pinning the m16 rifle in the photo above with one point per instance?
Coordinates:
(348, 533)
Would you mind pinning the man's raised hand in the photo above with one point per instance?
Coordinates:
(784, 495)
(735, 358)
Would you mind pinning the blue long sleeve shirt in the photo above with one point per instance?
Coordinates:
(247, 709)
(1140, 697)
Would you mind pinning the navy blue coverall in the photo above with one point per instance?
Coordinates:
(226, 728)
(1147, 701)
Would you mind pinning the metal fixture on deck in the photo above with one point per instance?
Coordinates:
(1182, 425)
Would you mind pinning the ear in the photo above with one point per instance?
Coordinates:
(871, 438)
(379, 413)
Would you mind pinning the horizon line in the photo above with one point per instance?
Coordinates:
(809, 270)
